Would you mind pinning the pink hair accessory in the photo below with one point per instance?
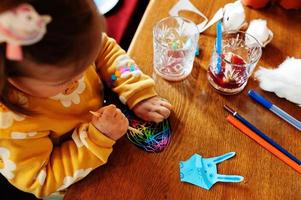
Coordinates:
(19, 27)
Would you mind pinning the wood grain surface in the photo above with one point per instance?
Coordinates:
(199, 124)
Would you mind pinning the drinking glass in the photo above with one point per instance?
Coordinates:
(229, 72)
(175, 40)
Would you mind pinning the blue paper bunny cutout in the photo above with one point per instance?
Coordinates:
(203, 171)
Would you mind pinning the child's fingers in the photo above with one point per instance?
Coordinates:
(102, 109)
(111, 106)
(119, 114)
(165, 112)
(155, 117)
(126, 122)
(95, 118)
(166, 104)
(109, 111)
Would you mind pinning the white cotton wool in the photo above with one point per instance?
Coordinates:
(258, 28)
(284, 81)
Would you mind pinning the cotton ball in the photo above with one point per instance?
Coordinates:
(258, 29)
(234, 16)
(284, 81)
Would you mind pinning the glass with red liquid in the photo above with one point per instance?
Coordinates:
(240, 54)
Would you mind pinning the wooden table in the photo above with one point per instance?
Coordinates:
(199, 125)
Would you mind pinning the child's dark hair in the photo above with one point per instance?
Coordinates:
(69, 38)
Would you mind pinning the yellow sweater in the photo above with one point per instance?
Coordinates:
(28, 157)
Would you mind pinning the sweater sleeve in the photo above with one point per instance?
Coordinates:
(31, 162)
(122, 74)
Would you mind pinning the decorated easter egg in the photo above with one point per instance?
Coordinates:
(255, 3)
(290, 4)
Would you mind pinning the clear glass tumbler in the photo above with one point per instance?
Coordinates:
(175, 40)
(240, 54)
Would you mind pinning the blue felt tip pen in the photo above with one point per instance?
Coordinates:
(219, 46)
(276, 110)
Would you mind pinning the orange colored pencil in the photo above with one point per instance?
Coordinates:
(235, 122)
(96, 114)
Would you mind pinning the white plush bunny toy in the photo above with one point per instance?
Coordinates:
(22, 26)
(234, 16)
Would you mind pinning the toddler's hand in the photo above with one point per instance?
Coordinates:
(153, 109)
(111, 122)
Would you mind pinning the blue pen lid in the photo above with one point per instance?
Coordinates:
(260, 99)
